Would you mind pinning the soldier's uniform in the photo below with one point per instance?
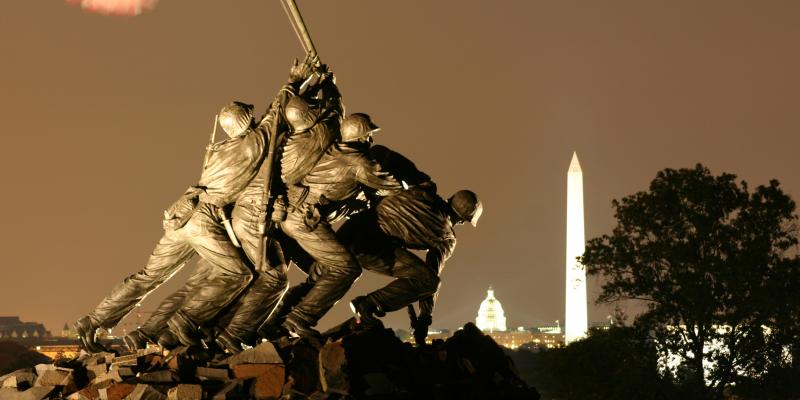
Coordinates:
(246, 217)
(381, 239)
(417, 219)
(340, 175)
(298, 152)
(194, 225)
(312, 127)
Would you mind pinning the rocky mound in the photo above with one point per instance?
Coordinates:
(14, 356)
(371, 364)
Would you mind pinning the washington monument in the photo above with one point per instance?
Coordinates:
(576, 318)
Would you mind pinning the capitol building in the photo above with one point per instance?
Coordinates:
(491, 317)
(492, 321)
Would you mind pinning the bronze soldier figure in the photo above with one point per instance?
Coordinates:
(340, 175)
(249, 217)
(415, 220)
(382, 238)
(155, 329)
(195, 224)
(323, 196)
(247, 226)
(308, 125)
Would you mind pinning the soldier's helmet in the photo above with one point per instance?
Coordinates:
(299, 114)
(236, 118)
(466, 205)
(357, 126)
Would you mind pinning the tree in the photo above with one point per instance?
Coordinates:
(613, 364)
(715, 264)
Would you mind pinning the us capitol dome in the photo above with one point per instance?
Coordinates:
(491, 317)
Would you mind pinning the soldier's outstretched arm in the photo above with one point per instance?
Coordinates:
(298, 73)
(273, 111)
(370, 174)
(435, 260)
(439, 254)
(441, 249)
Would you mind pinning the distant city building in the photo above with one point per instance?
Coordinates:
(492, 321)
(433, 334)
(527, 338)
(552, 329)
(67, 331)
(62, 351)
(34, 336)
(13, 328)
(530, 338)
(491, 317)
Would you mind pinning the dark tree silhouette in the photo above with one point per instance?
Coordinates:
(714, 263)
(613, 364)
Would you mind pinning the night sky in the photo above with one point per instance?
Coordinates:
(105, 120)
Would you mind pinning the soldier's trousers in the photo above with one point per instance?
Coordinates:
(253, 307)
(379, 253)
(293, 295)
(241, 319)
(157, 322)
(247, 313)
(414, 280)
(341, 268)
(202, 234)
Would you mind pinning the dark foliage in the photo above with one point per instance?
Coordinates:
(715, 263)
(609, 364)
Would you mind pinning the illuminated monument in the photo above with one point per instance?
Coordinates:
(491, 317)
(576, 318)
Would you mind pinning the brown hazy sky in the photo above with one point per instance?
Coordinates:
(105, 121)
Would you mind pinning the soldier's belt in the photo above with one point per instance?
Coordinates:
(298, 199)
(213, 200)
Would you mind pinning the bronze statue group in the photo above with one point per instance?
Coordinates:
(268, 196)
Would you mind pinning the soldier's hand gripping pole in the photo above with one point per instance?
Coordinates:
(300, 29)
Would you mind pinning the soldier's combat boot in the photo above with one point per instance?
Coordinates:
(300, 328)
(229, 343)
(136, 340)
(87, 334)
(272, 332)
(366, 311)
(168, 340)
(181, 327)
